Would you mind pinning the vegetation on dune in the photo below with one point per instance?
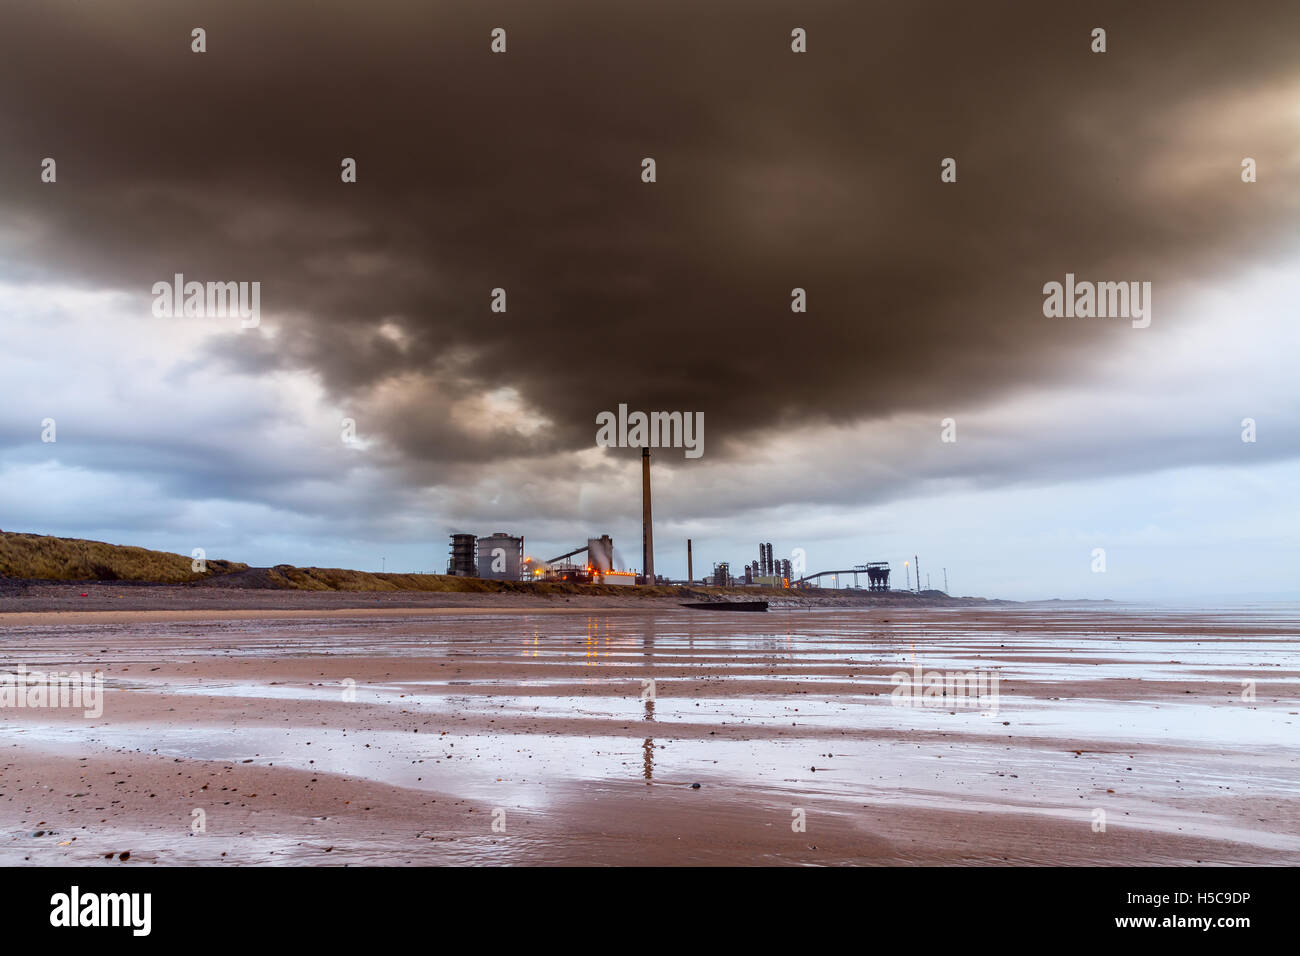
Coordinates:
(36, 557)
(41, 557)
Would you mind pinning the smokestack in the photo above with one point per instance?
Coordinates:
(917, 562)
(771, 568)
(690, 571)
(647, 529)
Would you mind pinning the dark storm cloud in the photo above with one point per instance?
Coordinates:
(521, 171)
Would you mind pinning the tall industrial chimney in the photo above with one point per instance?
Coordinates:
(647, 528)
(690, 571)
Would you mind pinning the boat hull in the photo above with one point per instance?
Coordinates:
(727, 605)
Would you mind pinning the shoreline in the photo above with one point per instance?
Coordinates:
(190, 601)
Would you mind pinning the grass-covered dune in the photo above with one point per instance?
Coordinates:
(36, 557)
(42, 557)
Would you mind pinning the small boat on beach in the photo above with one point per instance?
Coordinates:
(727, 605)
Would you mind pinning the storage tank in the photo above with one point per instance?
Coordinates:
(501, 557)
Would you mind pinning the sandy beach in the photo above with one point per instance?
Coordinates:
(557, 735)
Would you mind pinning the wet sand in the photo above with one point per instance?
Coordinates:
(539, 720)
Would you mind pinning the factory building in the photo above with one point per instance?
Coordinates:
(600, 563)
(600, 553)
(618, 578)
(501, 557)
(462, 563)
(768, 571)
(597, 569)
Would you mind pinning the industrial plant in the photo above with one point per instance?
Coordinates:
(501, 557)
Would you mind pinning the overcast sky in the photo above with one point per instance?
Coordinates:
(775, 170)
